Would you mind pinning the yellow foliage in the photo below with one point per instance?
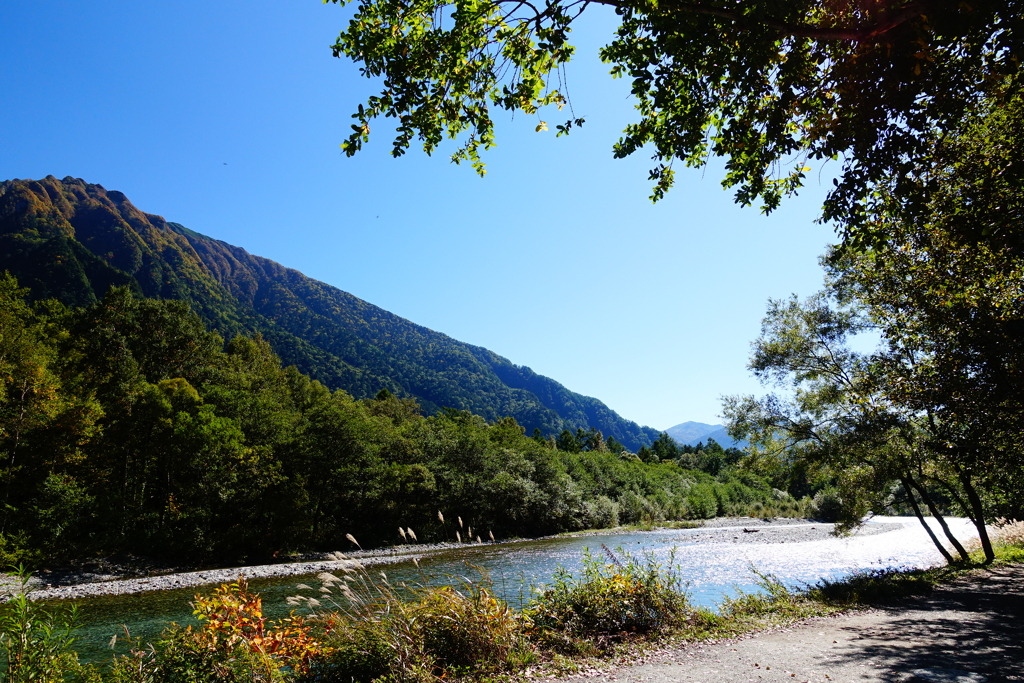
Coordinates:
(234, 618)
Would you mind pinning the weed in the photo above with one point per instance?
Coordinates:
(876, 586)
(775, 602)
(35, 640)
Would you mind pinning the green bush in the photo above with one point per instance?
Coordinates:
(602, 513)
(611, 599)
(828, 505)
(701, 502)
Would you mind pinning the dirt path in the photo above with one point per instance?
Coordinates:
(969, 631)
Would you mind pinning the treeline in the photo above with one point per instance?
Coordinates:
(126, 426)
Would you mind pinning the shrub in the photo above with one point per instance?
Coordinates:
(701, 502)
(236, 644)
(611, 599)
(602, 513)
(873, 586)
(632, 507)
(828, 505)
(183, 655)
(775, 600)
(35, 640)
(413, 633)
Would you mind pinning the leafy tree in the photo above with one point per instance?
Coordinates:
(647, 455)
(43, 424)
(568, 442)
(711, 458)
(845, 420)
(949, 301)
(593, 440)
(399, 410)
(665, 447)
(965, 188)
(772, 85)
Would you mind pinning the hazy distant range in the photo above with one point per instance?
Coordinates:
(692, 433)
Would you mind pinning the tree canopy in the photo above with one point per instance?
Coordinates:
(937, 404)
(777, 87)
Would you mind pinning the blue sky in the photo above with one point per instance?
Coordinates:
(227, 117)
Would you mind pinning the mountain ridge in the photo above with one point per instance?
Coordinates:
(72, 240)
(691, 433)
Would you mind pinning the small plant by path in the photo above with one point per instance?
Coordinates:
(35, 640)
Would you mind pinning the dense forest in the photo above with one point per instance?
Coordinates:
(127, 426)
(71, 241)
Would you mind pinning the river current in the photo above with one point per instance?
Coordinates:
(713, 563)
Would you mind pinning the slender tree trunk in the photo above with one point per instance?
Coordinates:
(941, 520)
(924, 523)
(14, 452)
(979, 515)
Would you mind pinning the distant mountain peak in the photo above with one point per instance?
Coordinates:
(692, 433)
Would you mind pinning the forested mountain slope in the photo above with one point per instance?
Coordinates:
(72, 241)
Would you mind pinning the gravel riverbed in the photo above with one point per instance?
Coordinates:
(120, 578)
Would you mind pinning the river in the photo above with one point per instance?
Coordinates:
(713, 562)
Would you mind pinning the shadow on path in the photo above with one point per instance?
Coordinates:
(971, 628)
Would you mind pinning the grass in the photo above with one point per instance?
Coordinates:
(379, 631)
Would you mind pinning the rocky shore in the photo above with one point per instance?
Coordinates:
(113, 577)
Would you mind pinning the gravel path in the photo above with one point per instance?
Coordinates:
(969, 631)
(122, 578)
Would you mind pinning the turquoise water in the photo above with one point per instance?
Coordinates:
(711, 571)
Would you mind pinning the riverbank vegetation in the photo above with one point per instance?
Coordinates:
(357, 626)
(127, 427)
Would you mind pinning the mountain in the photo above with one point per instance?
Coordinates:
(692, 433)
(72, 240)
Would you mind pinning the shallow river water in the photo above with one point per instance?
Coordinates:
(713, 563)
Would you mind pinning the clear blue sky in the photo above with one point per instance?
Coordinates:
(227, 117)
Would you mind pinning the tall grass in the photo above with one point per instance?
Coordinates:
(1007, 538)
(412, 632)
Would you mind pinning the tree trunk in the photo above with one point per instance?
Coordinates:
(924, 523)
(979, 515)
(965, 556)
